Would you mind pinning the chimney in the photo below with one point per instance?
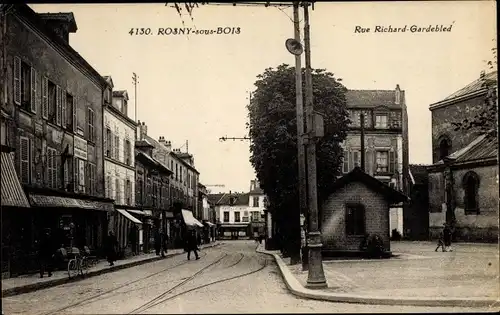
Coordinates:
(397, 95)
(143, 130)
(482, 74)
(168, 145)
(61, 23)
(161, 140)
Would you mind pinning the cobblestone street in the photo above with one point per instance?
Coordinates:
(227, 279)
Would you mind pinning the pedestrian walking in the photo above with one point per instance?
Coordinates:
(447, 234)
(192, 245)
(46, 252)
(164, 243)
(111, 248)
(158, 242)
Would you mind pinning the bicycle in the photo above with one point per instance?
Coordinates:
(80, 264)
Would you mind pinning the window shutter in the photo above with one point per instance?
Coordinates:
(391, 162)
(56, 168)
(87, 177)
(66, 173)
(17, 80)
(58, 105)
(75, 108)
(45, 98)
(33, 82)
(24, 164)
(63, 108)
(76, 180)
(351, 160)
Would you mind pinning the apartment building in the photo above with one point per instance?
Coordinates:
(385, 124)
(53, 117)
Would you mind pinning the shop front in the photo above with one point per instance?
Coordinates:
(16, 215)
(234, 231)
(128, 231)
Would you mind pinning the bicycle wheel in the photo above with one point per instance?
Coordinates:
(85, 266)
(72, 268)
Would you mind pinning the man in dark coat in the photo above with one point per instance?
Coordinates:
(447, 238)
(111, 245)
(192, 245)
(46, 252)
(158, 242)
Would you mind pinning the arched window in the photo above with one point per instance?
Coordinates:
(470, 184)
(444, 147)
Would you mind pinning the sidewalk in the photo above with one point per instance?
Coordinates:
(30, 283)
(417, 276)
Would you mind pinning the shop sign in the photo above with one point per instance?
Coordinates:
(80, 148)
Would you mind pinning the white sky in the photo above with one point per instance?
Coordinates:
(195, 88)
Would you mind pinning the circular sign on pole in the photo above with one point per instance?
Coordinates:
(294, 46)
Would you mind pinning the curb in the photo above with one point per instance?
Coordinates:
(296, 288)
(56, 282)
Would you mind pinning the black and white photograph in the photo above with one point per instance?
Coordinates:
(249, 157)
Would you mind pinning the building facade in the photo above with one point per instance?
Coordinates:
(463, 180)
(54, 109)
(240, 215)
(385, 139)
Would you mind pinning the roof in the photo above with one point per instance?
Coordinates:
(224, 199)
(158, 145)
(78, 61)
(373, 98)
(357, 175)
(483, 147)
(183, 154)
(120, 93)
(63, 16)
(474, 86)
(154, 162)
(418, 173)
(143, 143)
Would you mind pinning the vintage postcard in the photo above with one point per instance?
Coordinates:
(249, 157)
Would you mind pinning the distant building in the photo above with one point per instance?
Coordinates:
(240, 215)
(359, 205)
(386, 139)
(463, 180)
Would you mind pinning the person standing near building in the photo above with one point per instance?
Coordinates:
(192, 245)
(447, 234)
(111, 245)
(46, 252)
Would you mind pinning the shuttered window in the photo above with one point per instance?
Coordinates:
(58, 105)
(117, 148)
(67, 168)
(25, 160)
(75, 111)
(45, 98)
(51, 162)
(17, 80)
(118, 192)
(108, 142)
(392, 162)
(33, 84)
(92, 169)
(90, 124)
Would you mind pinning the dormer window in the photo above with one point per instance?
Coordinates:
(107, 95)
(381, 121)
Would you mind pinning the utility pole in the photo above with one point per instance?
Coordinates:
(301, 161)
(135, 81)
(362, 121)
(316, 276)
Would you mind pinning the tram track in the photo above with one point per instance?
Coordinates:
(97, 296)
(165, 299)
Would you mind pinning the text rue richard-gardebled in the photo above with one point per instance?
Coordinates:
(439, 28)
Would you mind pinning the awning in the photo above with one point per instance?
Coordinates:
(210, 224)
(67, 202)
(11, 190)
(189, 219)
(129, 216)
(139, 212)
(234, 225)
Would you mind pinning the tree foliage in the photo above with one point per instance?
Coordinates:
(485, 121)
(273, 132)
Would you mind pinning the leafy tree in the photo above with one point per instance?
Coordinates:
(273, 133)
(485, 121)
